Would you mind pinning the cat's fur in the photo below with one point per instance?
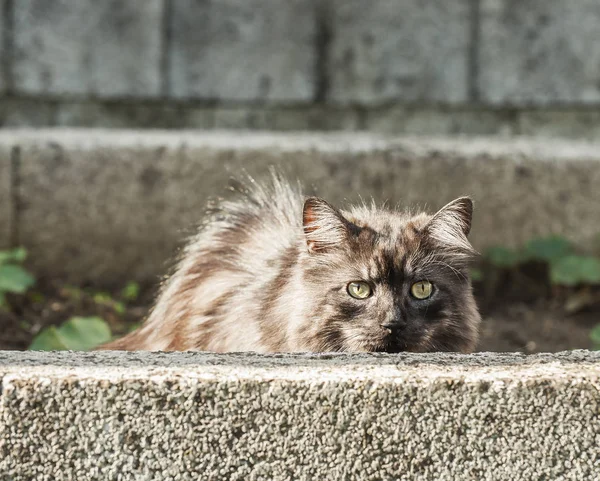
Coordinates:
(268, 272)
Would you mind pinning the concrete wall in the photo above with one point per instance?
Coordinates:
(202, 416)
(99, 206)
(417, 66)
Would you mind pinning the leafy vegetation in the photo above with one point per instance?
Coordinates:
(565, 267)
(85, 333)
(14, 278)
(549, 266)
(76, 334)
(131, 291)
(58, 316)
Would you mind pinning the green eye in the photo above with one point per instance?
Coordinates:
(359, 290)
(421, 290)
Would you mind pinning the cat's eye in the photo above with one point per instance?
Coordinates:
(421, 290)
(359, 290)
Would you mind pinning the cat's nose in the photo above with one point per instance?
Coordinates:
(394, 321)
(391, 325)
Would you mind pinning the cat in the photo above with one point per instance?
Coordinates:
(274, 271)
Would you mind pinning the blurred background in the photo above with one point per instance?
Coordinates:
(416, 101)
(493, 67)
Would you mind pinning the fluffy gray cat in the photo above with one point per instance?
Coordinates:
(274, 271)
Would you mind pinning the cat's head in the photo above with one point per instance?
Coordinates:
(380, 280)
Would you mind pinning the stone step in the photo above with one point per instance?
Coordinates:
(106, 206)
(188, 416)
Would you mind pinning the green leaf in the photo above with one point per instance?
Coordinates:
(503, 257)
(548, 249)
(103, 298)
(131, 291)
(15, 255)
(84, 333)
(119, 307)
(15, 279)
(573, 270)
(595, 335)
(48, 340)
(76, 334)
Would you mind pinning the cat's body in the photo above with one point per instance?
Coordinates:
(275, 272)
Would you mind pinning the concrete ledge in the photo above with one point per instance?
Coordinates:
(133, 416)
(6, 198)
(99, 205)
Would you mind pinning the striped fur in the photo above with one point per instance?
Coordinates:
(268, 272)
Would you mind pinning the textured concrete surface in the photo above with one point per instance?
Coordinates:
(539, 51)
(30, 112)
(560, 123)
(316, 118)
(411, 50)
(4, 81)
(244, 118)
(440, 121)
(117, 114)
(574, 122)
(191, 416)
(6, 198)
(104, 205)
(85, 47)
(264, 63)
(243, 50)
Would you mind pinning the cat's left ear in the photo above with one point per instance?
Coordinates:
(324, 226)
(452, 223)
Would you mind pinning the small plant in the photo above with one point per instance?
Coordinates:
(76, 334)
(105, 299)
(543, 266)
(573, 270)
(13, 277)
(83, 333)
(565, 266)
(131, 291)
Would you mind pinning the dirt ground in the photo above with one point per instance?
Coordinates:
(51, 303)
(529, 327)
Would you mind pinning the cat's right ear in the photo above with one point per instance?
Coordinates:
(451, 225)
(324, 226)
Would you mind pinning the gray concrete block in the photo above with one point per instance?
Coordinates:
(189, 416)
(539, 52)
(4, 73)
(85, 47)
(283, 118)
(243, 50)
(315, 118)
(104, 206)
(6, 197)
(439, 121)
(567, 123)
(118, 114)
(386, 50)
(27, 112)
(252, 118)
